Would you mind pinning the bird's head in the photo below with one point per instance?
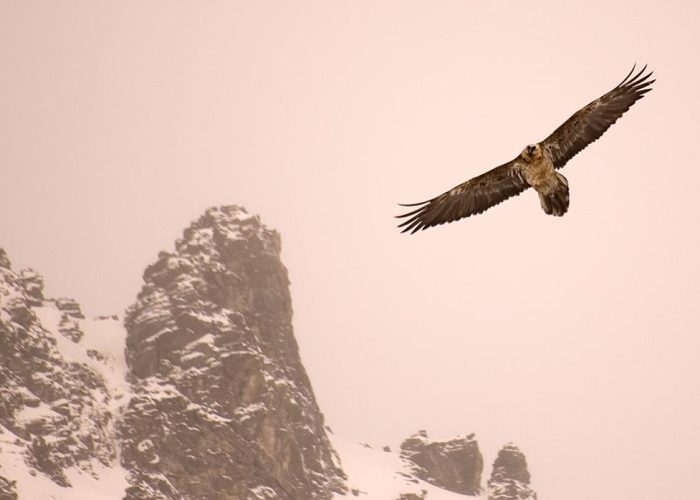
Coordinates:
(532, 152)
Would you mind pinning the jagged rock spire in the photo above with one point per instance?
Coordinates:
(510, 478)
(223, 407)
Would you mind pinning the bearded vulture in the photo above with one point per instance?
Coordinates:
(536, 166)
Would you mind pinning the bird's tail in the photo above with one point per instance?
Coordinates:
(556, 201)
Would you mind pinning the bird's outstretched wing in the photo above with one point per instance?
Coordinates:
(591, 121)
(469, 198)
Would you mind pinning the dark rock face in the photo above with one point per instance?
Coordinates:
(69, 307)
(222, 406)
(4, 259)
(33, 284)
(54, 409)
(454, 465)
(7, 489)
(510, 479)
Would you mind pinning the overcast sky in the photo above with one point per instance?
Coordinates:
(574, 337)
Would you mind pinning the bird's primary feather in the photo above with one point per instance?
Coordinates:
(590, 122)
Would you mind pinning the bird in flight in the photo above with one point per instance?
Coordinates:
(536, 166)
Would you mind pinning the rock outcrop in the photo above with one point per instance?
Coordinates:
(454, 465)
(33, 284)
(411, 496)
(4, 260)
(7, 489)
(510, 478)
(222, 407)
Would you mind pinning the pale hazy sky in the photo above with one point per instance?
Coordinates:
(575, 337)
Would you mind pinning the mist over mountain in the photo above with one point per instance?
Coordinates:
(199, 392)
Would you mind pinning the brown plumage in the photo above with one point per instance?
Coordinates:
(535, 166)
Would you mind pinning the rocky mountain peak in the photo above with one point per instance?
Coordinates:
(220, 395)
(510, 478)
(226, 262)
(199, 395)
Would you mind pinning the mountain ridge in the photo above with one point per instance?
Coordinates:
(200, 393)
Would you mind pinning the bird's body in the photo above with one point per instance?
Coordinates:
(539, 170)
(536, 166)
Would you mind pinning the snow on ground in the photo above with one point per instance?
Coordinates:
(27, 414)
(108, 337)
(108, 483)
(381, 475)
